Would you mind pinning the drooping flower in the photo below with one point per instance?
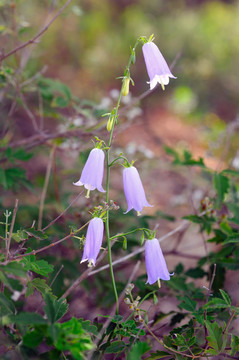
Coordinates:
(93, 241)
(155, 263)
(156, 65)
(93, 171)
(133, 189)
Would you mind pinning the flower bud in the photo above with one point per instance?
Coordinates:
(125, 86)
(110, 123)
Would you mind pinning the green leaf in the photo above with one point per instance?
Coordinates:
(6, 306)
(33, 339)
(38, 284)
(3, 179)
(138, 349)
(196, 273)
(234, 344)
(216, 303)
(115, 347)
(27, 318)
(158, 355)
(19, 154)
(188, 304)
(225, 297)
(193, 218)
(70, 336)
(14, 268)
(54, 308)
(40, 267)
(36, 234)
(216, 337)
(221, 185)
(60, 101)
(87, 326)
(19, 236)
(184, 159)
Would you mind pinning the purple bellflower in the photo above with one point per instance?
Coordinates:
(93, 171)
(133, 189)
(156, 65)
(93, 241)
(155, 263)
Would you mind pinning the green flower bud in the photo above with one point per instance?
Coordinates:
(125, 87)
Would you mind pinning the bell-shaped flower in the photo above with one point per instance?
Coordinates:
(133, 189)
(93, 171)
(156, 65)
(93, 241)
(155, 263)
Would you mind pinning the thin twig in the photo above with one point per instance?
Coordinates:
(34, 77)
(11, 229)
(34, 252)
(55, 277)
(44, 190)
(63, 212)
(211, 282)
(32, 41)
(29, 113)
(82, 277)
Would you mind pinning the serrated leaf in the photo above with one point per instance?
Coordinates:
(36, 234)
(221, 185)
(234, 344)
(14, 268)
(188, 304)
(70, 336)
(40, 267)
(225, 297)
(27, 318)
(38, 284)
(115, 347)
(216, 337)
(87, 326)
(54, 308)
(216, 303)
(19, 236)
(137, 350)
(6, 306)
(158, 355)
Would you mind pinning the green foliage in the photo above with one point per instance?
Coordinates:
(70, 336)
(40, 267)
(221, 184)
(38, 284)
(185, 159)
(55, 92)
(54, 308)
(138, 349)
(216, 338)
(6, 306)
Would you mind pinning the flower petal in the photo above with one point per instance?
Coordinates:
(93, 242)
(93, 171)
(156, 65)
(134, 191)
(155, 263)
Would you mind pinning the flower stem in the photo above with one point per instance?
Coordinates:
(108, 180)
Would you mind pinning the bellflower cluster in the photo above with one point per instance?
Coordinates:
(155, 263)
(156, 65)
(93, 171)
(133, 189)
(93, 242)
(92, 177)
